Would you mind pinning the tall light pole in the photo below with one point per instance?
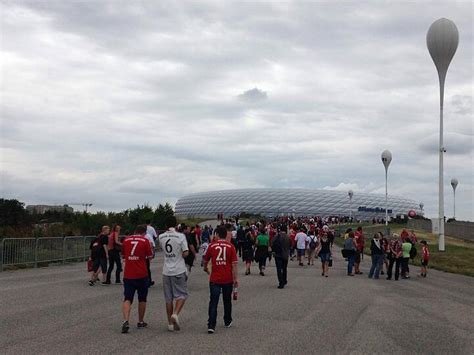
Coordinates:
(350, 193)
(386, 160)
(454, 184)
(421, 207)
(442, 41)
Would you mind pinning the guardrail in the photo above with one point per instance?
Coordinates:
(24, 252)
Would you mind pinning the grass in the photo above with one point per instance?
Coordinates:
(458, 257)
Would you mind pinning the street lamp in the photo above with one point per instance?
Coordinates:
(442, 41)
(350, 193)
(421, 207)
(386, 160)
(454, 184)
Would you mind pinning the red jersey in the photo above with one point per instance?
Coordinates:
(222, 254)
(359, 239)
(136, 249)
(293, 239)
(425, 253)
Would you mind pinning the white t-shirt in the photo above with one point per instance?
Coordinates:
(301, 240)
(150, 239)
(150, 231)
(173, 245)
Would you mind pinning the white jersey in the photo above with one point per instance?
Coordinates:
(173, 245)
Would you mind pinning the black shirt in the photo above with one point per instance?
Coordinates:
(325, 246)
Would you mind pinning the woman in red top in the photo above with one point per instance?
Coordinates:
(425, 257)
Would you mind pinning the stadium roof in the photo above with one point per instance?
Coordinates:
(301, 202)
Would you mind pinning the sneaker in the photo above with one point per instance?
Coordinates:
(228, 325)
(350, 274)
(170, 327)
(142, 325)
(118, 282)
(210, 331)
(280, 286)
(125, 327)
(103, 283)
(175, 320)
(91, 283)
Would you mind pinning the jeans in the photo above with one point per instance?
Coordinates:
(397, 262)
(281, 266)
(350, 263)
(114, 259)
(405, 269)
(215, 290)
(377, 260)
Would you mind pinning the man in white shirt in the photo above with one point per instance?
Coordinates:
(301, 245)
(151, 236)
(175, 288)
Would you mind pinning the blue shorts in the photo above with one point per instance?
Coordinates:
(138, 285)
(301, 252)
(325, 257)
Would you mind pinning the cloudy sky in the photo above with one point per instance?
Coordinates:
(125, 103)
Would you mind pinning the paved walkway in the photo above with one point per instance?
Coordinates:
(53, 310)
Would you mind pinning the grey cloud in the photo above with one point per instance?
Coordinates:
(253, 95)
(93, 94)
(462, 104)
(455, 144)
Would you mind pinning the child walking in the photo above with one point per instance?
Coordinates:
(425, 257)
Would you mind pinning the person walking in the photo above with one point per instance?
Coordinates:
(406, 247)
(349, 252)
(395, 257)
(311, 246)
(377, 253)
(175, 288)
(261, 253)
(223, 278)
(136, 249)
(425, 257)
(325, 253)
(114, 246)
(281, 245)
(360, 244)
(247, 251)
(300, 239)
(151, 236)
(98, 248)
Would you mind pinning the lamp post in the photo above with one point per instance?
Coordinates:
(421, 207)
(350, 193)
(442, 41)
(454, 184)
(386, 160)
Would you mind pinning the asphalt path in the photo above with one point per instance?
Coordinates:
(53, 310)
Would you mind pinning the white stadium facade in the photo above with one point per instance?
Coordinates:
(300, 202)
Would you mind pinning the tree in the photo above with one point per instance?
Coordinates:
(12, 213)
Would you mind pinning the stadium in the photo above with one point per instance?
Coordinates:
(300, 202)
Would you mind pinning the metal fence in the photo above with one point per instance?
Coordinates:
(34, 252)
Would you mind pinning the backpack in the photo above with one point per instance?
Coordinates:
(276, 245)
(413, 252)
(313, 243)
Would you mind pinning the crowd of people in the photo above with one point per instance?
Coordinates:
(282, 239)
